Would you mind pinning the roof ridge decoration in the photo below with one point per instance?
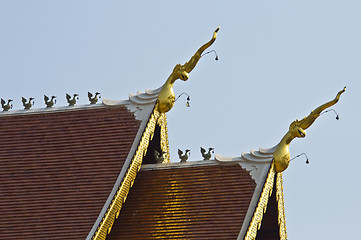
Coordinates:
(261, 168)
(137, 103)
(49, 110)
(166, 97)
(163, 98)
(256, 162)
(297, 129)
(114, 208)
(261, 208)
(281, 207)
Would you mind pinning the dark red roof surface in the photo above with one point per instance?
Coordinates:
(198, 202)
(57, 168)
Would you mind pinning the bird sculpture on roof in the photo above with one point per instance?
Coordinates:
(207, 156)
(159, 157)
(183, 157)
(29, 104)
(7, 106)
(166, 96)
(93, 100)
(49, 102)
(281, 155)
(72, 101)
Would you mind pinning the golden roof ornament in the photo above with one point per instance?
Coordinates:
(281, 155)
(166, 96)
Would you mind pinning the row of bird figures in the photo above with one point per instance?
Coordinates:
(159, 157)
(49, 102)
(206, 155)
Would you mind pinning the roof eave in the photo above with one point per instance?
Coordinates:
(143, 105)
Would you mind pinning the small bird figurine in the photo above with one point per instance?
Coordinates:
(93, 100)
(29, 104)
(49, 103)
(159, 157)
(7, 106)
(184, 157)
(71, 101)
(207, 156)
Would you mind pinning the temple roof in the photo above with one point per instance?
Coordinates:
(68, 173)
(60, 167)
(176, 201)
(213, 199)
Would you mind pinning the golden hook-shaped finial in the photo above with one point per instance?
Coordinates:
(297, 129)
(166, 96)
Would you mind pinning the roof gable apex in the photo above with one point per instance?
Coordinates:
(139, 104)
(273, 183)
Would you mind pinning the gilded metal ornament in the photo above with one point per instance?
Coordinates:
(297, 129)
(261, 208)
(166, 96)
(281, 207)
(164, 143)
(272, 178)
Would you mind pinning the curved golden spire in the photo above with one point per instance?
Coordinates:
(297, 128)
(166, 96)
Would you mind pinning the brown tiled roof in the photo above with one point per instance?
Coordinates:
(198, 202)
(57, 169)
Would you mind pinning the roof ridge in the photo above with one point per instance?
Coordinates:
(172, 165)
(135, 103)
(50, 110)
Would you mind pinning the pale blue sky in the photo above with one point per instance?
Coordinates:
(278, 60)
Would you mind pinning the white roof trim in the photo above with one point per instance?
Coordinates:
(49, 110)
(258, 163)
(138, 104)
(255, 162)
(142, 106)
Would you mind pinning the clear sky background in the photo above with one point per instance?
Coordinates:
(278, 60)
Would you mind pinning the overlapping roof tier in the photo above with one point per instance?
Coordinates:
(206, 201)
(72, 173)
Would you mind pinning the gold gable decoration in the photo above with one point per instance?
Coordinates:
(256, 221)
(113, 210)
(281, 207)
(261, 208)
(164, 144)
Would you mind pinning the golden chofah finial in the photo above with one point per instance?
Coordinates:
(166, 96)
(281, 155)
